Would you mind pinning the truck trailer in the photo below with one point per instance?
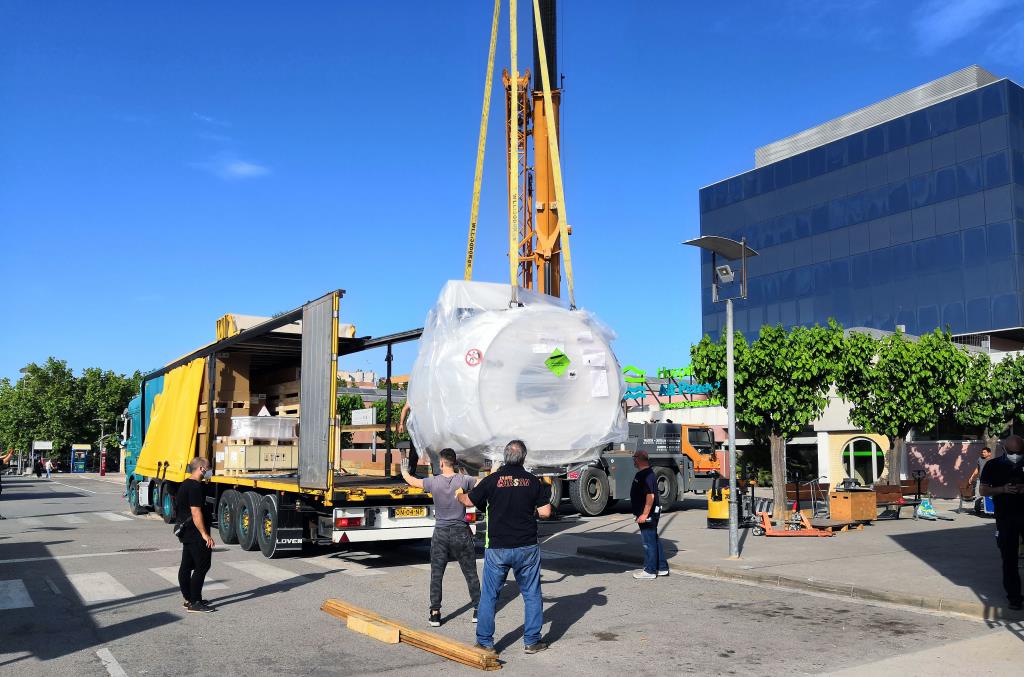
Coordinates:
(280, 493)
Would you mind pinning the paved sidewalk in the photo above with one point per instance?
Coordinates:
(942, 566)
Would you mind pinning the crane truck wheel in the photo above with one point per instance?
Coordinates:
(266, 525)
(226, 510)
(133, 499)
(589, 493)
(167, 503)
(246, 520)
(668, 487)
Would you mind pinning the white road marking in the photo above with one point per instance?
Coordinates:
(53, 586)
(265, 572)
(14, 595)
(70, 486)
(114, 668)
(424, 567)
(21, 560)
(345, 566)
(98, 587)
(113, 516)
(170, 574)
(72, 519)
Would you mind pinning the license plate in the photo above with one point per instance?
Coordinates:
(410, 512)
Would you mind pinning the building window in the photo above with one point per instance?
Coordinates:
(863, 460)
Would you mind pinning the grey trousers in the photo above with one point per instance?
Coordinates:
(453, 543)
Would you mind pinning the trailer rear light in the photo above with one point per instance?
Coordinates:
(346, 522)
(574, 475)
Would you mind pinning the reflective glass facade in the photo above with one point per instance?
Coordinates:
(918, 221)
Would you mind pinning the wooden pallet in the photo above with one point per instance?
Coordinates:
(229, 407)
(439, 645)
(266, 441)
(238, 472)
(291, 410)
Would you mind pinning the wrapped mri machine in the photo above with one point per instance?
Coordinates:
(487, 373)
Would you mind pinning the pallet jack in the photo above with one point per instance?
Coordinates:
(798, 525)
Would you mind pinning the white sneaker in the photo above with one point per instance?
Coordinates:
(644, 576)
(663, 572)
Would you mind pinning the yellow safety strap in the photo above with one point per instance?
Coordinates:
(478, 175)
(556, 161)
(513, 165)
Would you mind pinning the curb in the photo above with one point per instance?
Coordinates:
(976, 610)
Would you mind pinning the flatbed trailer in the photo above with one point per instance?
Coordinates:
(277, 512)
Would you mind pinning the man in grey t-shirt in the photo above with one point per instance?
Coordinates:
(452, 539)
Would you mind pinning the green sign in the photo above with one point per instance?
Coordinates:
(557, 362)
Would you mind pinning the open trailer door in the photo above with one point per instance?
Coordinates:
(318, 392)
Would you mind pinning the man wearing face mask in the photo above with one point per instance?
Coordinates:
(196, 542)
(1003, 479)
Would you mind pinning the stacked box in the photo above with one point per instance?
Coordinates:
(260, 457)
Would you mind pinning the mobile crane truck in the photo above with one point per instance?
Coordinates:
(271, 494)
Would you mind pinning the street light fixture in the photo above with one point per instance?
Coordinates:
(730, 250)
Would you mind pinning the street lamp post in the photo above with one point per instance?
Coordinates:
(103, 448)
(730, 250)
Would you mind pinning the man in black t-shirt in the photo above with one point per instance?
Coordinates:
(3, 466)
(1003, 479)
(196, 542)
(511, 497)
(643, 496)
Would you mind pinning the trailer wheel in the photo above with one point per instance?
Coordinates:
(557, 492)
(226, 511)
(589, 493)
(266, 525)
(154, 497)
(245, 519)
(133, 499)
(167, 503)
(668, 487)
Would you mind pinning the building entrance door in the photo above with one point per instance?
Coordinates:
(863, 460)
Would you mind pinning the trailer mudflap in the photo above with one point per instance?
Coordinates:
(289, 538)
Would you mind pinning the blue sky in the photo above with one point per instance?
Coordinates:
(164, 163)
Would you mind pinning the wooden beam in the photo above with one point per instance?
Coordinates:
(427, 641)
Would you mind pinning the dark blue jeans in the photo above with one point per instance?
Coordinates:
(654, 554)
(525, 566)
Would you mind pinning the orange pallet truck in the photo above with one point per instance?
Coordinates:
(796, 528)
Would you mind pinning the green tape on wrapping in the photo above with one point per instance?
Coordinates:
(557, 362)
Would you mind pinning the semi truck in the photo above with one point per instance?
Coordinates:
(684, 459)
(301, 495)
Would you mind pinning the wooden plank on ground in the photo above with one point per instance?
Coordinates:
(427, 641)
(383, 632)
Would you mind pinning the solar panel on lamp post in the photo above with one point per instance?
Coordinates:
(730, 250)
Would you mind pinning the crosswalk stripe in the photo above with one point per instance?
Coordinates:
(113, 516)
(72, 519)
(265, 572)
(170, 574)
(345, 566)
(14, 595)
(98, 587)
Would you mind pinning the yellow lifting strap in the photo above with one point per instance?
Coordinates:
(556, 161)
(513, 158)
(478, 174)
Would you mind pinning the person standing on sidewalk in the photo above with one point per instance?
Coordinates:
(3, 466)
(49, 467)
(975, 477)
(511, 497)
(196, 542)
(452, 538)
(643, 495)
(1003, 479)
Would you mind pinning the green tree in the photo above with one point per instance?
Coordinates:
(346, 404)
(104, 395)
(782, 385)
(396, 409)
(991, 395)
(895, 385)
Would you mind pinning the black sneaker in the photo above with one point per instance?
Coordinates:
(435, 618)
(535, 648)
(185, 603)
(488, 649)
(474, 614)
(200, 608)
(1016, 606)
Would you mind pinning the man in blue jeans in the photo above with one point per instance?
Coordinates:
(643, 496)
(511, 497)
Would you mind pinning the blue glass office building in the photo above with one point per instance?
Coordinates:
(908, 212)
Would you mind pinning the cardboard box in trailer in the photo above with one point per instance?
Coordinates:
(261, 404)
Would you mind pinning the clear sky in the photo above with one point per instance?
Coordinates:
(164, 163)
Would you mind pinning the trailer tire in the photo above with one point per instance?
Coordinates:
(227, 508)
(168, 505)
(557, 492)
(668, 487)
(245, 520)
(154, 497)
(133, 499)
(266, 525)
(589, 493)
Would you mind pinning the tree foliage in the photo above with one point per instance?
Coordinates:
(991, 395)
(782, 383)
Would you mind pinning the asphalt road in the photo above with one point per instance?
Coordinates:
(88, 589)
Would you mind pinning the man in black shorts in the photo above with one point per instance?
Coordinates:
(196, 542)
(1003, 479)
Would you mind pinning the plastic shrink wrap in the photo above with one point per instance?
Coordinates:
(487, 373)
